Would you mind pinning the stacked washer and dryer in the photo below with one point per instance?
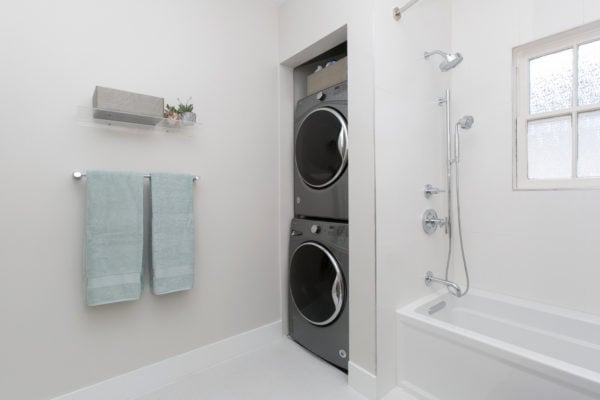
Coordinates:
(318, 264)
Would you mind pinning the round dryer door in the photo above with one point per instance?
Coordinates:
(322, 147)
(316, 284)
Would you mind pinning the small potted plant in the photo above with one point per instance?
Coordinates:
(171, 113)
(185, 110)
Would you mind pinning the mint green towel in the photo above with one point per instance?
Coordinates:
(114, 237)
(172, 266)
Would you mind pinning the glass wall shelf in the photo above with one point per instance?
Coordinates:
(117, 120)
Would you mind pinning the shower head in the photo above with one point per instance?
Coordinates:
(466, 122)
(450, 60)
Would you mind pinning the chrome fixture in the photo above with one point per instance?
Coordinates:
(430, 190)
(450, 60)
(429, 279)
(431, 222)
(464, 123)
(78, 175)
(398, 11)
(440, 101)
(436, 307)
(452, 159)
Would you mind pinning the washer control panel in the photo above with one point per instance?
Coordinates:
(333, 232)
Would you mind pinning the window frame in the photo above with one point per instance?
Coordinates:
(522, 55)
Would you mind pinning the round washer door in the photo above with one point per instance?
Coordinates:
(316, 284)
(322, 147)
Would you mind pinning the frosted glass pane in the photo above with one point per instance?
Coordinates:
(551, 82)
(589, 73)
(549, 148)
(588, 160)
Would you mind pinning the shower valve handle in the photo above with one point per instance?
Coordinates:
(430, 190)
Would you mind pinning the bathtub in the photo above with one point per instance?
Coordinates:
(492, 347)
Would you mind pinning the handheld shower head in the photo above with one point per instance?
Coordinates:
(466, 122)
(450, 60)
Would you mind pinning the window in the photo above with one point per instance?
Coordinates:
(557, 111)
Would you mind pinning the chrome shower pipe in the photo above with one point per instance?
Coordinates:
(449, 225)
(449, 176)
(453, 288)
(398, 11)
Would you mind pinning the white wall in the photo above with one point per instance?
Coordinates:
(542, 245)
(410, 153)
(306, 28)
(224, 54)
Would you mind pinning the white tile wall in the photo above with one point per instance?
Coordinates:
(535, 245)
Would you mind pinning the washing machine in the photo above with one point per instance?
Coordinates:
(318, 288)
(321, 155)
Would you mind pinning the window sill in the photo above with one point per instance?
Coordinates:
(557, 184)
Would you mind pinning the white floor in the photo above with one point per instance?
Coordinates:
(281, 371)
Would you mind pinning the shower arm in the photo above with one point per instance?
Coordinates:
(438, 52)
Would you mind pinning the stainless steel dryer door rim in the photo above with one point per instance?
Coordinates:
(342, 146)
(337, 288)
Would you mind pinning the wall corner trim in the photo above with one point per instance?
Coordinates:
(362, 381)
(150, 378)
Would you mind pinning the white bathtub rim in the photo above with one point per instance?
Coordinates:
(569, 374)
(572, 314)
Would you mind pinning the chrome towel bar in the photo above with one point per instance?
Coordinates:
(79, 175)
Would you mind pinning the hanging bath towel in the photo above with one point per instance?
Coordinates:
(113, 237)
(172, 266)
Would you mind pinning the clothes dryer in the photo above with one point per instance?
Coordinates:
(321, 155)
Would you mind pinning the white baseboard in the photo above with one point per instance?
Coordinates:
(415, 392)
(142, 381)
(398, 394)
(362, 381)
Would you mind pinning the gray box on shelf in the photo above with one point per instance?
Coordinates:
(120, 105)
(327, 77)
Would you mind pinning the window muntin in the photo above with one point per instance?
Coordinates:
(557, 111)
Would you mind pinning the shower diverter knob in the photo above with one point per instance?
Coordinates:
(431, 222)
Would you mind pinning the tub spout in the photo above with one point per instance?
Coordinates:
(430, 278)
